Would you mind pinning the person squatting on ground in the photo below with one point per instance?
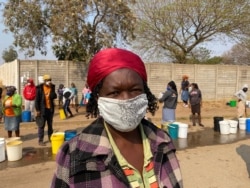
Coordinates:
(60, 95)
(12, 109)
(170, 99)
(100, 156)
(67, 96)
(44, 104)
(195, 101)
(29, 94)
(242, 98)
(184, 90)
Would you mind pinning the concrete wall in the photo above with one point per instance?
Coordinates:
(217, 82)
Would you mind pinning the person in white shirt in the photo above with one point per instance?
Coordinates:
(67, 96)
(242, 97)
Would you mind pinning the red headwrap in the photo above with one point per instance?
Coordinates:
(111, 59)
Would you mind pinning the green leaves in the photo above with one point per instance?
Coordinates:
(77, 28)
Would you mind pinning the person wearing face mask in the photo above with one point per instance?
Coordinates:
(12, 109)
(29, 94)
(120, 148)
(44, 105)
(169, 98)
(242, 98)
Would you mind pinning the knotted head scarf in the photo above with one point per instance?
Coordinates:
(111, 59)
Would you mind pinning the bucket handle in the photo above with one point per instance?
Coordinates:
(171, 126)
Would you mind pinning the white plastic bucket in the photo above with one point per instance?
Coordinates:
(2, 149)
(233, 126)
(14, 150)
(224, 127)
(182, 142)
(242, 123)
(183, 130)
(7, 140)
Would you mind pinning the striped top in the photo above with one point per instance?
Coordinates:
(147, 179)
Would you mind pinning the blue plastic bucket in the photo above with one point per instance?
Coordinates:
(26, 116)
(173, 130)
(69, 134)
(248, 125)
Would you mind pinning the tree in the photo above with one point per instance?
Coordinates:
(176, 28)
(239, 54)
(77, 28)
(10, 54)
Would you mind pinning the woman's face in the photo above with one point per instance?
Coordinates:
(122, 84)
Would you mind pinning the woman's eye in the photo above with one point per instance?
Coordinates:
(113, 93)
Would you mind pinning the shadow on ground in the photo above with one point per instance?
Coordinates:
(244, 152)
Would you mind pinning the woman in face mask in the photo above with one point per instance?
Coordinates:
(12, 109)
(120, 148)
(169, 98)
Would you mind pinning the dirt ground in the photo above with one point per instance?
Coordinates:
(216, 166)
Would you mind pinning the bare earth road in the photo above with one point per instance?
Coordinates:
(214, 166)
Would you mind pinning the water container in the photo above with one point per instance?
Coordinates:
(248, 125)
(183, 130)
(224, 127)
(2, 149)
(7, 140)
(57, 139)
(233, 103)
(233, 126)
(62, 114)
(26, 116)
(242, 123)
(69, 134)
(173, 130)
(14, 150)
(216, 123)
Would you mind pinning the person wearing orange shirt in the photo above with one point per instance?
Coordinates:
(12, 109)
(45, 107)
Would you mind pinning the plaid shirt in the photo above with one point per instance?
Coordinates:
(87, 160)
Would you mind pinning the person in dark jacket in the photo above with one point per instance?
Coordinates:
(195, 101)
(44, 105)
(169, 98)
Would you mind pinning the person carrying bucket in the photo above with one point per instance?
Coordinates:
(242, 98)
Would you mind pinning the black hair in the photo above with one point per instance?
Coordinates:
(172, 85)
(195, 85)
(92, 106)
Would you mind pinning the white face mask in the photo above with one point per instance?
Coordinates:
(48, 83)
(123, 115)
(189, 88)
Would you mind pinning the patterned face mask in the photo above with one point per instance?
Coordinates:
(123, 115)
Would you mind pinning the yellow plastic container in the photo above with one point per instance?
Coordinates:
(62, 114)
(57, 140)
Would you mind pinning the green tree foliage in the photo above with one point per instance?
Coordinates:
(176, 28)
(10, 54)
(77, 28)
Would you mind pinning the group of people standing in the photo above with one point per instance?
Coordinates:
(39, 100)
(190, 95)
